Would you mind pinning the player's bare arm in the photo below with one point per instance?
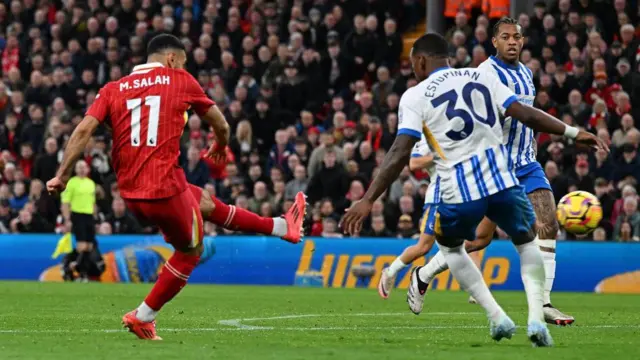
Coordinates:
(396, 159)
(75, 148)
(420, 162)
(216, 119)
(541, 121)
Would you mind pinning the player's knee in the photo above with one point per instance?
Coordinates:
(192, 251)
(449, 242)
(524, 237)
(477, 244)
(206, 204)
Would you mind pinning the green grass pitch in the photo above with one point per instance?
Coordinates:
(82, 321)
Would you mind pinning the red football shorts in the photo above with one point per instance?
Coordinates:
(197, 192)
(178, 217)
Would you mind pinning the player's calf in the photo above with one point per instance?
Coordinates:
(237, 219)
(547, 228)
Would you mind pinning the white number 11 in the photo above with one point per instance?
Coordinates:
(153, 102)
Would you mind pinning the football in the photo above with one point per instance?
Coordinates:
(579, 212)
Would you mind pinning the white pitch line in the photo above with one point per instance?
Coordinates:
(258, 328)
(238, 323)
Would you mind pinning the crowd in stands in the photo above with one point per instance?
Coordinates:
(310, 89)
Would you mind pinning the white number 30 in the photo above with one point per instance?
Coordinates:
(153, 102)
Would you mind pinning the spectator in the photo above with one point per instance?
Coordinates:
(260, 196)
(195, 169)
(599, 90)
(26, 159)
(330, 228)
(462, 25)
(600, 234)
(366, 158)
(578, 109)
(603, 192)
(292, 90)
(396, 188)
(281, 150)
(559, 183)
(298, 183)
(628, 164)
(20, 196)
(360, 45)
(330, 181)
(628, 191)
(629, 218)
(406, 229)
(604, 166)
(44, 204)
(619, 135)
(391, 45)
(582, 179)
(378, 228)
(383, 87)
(243, 143)
(327, 144)
(120, 220)
(26, 223)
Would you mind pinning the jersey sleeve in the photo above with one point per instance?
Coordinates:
(420, 148)
(99, 109)
(65, 197)
(410, 119)
(501, 94)
(195, 96)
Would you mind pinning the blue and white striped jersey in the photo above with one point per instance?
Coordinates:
(457, 111)
(421, 148)
(518, 139)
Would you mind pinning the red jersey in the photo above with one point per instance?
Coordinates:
(146, 113)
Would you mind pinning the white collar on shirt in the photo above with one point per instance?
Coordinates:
(147, 66)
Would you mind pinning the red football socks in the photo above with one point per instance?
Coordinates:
(172, 279)
(237, 219)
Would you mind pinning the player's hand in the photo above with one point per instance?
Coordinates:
(55, 186)
(588, 139)
(217, 153)
(352, 221)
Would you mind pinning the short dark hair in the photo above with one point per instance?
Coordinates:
(163, 42)
(503, 21)
(432, 45)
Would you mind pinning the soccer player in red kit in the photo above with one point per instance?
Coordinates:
(146, 113)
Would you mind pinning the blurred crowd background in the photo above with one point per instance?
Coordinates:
(311, 90)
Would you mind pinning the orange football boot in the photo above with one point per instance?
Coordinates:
(295, 219)
(143, 330)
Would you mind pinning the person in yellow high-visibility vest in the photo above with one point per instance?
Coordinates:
(78, 207)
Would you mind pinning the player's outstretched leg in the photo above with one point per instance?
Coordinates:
(180, 221)
(544, 206)
(230, 217)
(172, 279)
(511, 210)
(470, 279)
(409, 255)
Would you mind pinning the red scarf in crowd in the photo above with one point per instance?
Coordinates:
(375, 142)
